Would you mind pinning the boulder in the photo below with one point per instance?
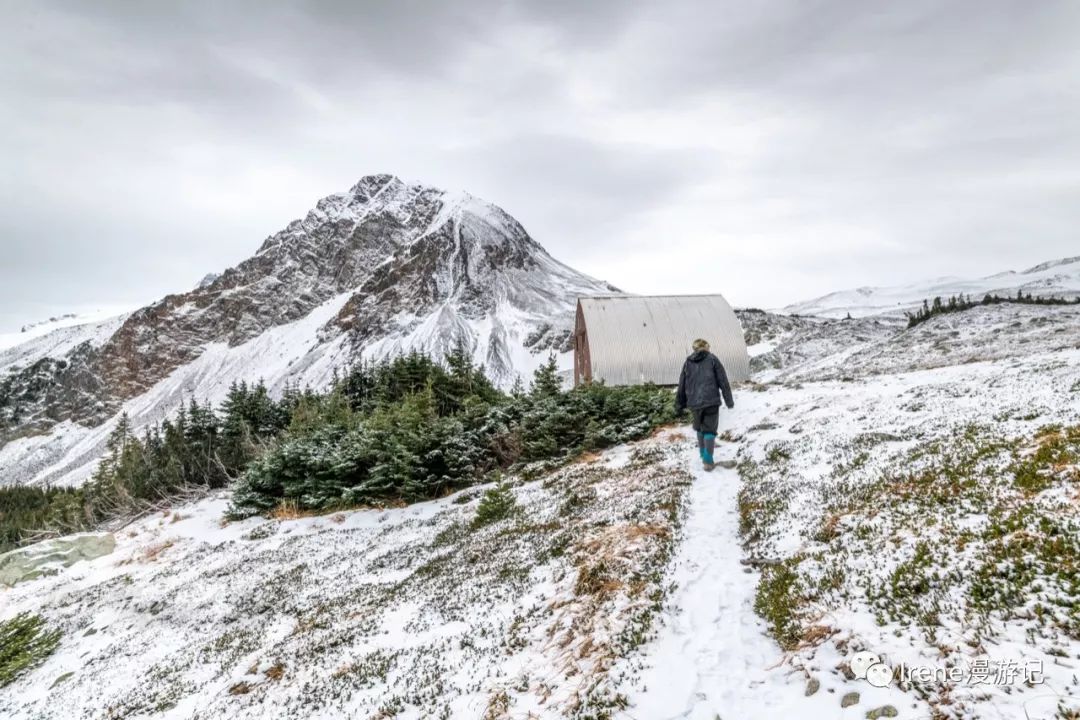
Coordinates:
(851, 698)
(49, 556)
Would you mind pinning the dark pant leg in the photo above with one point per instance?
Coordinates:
(710, 422)
(697, 415)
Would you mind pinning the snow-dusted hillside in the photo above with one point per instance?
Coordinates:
(1058, 278)
(57, 335)
(410, 612)
(379, 270)
(910, 492)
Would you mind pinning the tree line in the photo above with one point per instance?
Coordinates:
(959, 303)
(400, 430)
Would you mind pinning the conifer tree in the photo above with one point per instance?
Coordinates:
(546, 381)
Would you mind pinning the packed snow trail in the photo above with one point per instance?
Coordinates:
(713, 657)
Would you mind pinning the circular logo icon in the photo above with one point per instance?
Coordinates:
(879, 675)
(862, 661)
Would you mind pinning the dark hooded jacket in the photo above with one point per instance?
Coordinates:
(701, 383)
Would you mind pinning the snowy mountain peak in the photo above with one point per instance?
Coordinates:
(384, 268)
(371, 185)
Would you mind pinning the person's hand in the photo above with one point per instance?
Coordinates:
(731, 406)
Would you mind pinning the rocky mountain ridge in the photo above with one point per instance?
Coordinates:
(383, 268)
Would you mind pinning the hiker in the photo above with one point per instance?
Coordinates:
(701, 384)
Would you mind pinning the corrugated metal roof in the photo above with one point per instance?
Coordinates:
(636, 338)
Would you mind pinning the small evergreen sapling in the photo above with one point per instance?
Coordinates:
(24, 644)
(497, 504)
(546, 381)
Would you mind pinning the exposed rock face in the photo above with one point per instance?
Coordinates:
(48, 556)
(333, 249)
(51, 390)
(408, 266)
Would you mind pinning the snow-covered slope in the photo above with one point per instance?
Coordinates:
(75, 325)
(1059, 278)
(910, 492)
(379, 270)
(408, 613)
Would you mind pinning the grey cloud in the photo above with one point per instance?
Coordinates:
(576, 193)
(813, 145)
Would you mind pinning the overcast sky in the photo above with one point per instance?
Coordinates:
(772, 151)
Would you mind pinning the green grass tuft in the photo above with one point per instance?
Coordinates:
(779, 601)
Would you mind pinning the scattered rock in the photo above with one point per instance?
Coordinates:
(812, 686)
(759, 562)
(885, 711)
(261, 532)
(48, 556)
(727, 464)
(852, 698)
(62, 678)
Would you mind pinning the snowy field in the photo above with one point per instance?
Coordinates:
(403, 612)
(913, 494)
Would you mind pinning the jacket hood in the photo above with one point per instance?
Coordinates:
(699, 356)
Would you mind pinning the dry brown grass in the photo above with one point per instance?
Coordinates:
(639, 531)
(289, 510)
(594, 579)
(829, 529)
(814, 635)
(275, 672)
(498, 706)
(240, 688)
(151, 552)
(612, 541)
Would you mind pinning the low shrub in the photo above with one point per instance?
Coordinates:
(25, 642)
(496, 504)
(417, 441)
(779, 601)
